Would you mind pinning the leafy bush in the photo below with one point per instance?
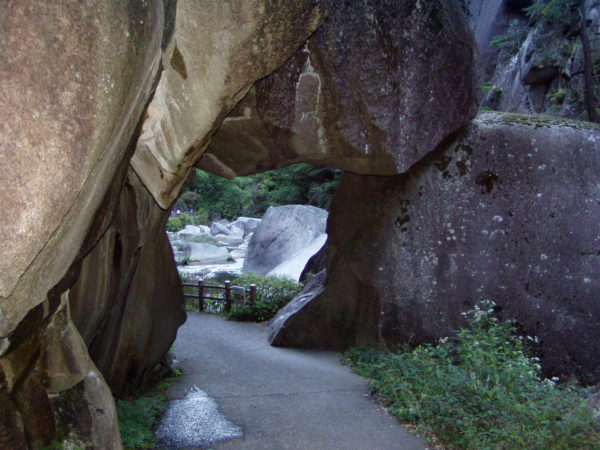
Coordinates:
(176, 223)
(272, 293)
(480, 391)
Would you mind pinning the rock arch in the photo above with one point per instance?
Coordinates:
(108, 109)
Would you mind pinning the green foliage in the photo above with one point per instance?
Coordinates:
(557, 97)
(63, 442)
(252, 196)
(480, 391)
(136, 419)
(176, 223)
(553, 11)
(137, 416)
(488, 87)
(510, 41)
(219, 195)
(272, 293)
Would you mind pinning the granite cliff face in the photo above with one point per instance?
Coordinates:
(75, 79)
(89, 290)
(507, 210)
(533, 65)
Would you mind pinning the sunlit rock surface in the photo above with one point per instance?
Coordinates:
(284, 232)
(75, 78)
(218, 51)
(508, 212)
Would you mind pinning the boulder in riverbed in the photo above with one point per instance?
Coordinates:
(284, 231)
(202, 253)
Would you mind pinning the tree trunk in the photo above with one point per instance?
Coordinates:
(587, 68)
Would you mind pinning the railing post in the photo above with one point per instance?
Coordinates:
(252, 294)
(227, 296)
(200, 294)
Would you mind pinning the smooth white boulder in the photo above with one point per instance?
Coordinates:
(283, 232)
(294, 266)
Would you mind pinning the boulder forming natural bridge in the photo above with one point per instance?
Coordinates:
(108, 106)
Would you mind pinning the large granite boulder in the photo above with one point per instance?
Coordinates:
(284, 231)
(202, 253)
(218, 50)
(365, 94)
(248, 224)
(295, 264)
(509, 212)
(129, 278)
(75, 78)
(286, 316)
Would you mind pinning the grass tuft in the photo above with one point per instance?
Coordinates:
(138, 415)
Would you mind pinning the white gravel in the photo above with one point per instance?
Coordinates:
(194, 421)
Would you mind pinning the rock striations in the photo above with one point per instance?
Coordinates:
(108, 106)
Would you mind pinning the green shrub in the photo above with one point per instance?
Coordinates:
(272, 293)
(176, 223)
(480, 391)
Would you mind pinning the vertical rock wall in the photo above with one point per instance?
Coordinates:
(506, 211)
(128, 300)
(75, 78)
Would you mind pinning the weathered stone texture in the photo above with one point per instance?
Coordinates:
(508, 211)
(75, 78)
(219, 49)
(128, 300)
(377, 87)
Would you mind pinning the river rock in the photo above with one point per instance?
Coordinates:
(237, 253)
(218, 228)
(229, 240)
(508, 212)
(207, 254)
(284, 231)
(363, 94)
(194, 232)
(181, 251)
(248, 224)
(293, 266)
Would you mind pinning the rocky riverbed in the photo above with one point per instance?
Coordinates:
(279, 244)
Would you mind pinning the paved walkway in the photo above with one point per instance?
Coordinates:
(280, 398)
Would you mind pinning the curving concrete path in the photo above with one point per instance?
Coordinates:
(279, 398)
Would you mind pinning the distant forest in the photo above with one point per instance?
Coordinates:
(304, 184)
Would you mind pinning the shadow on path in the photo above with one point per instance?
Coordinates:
(279, 398)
